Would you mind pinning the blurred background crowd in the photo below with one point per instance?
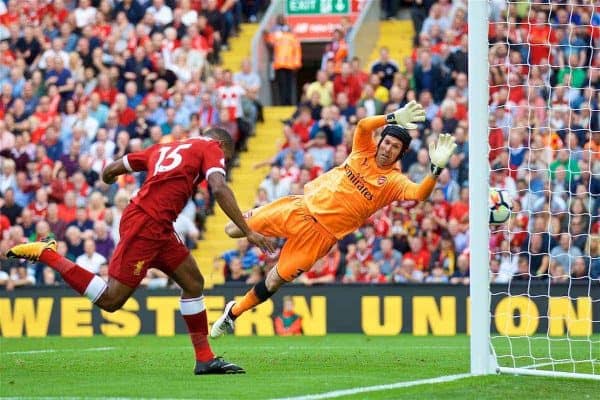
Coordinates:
(84, 82)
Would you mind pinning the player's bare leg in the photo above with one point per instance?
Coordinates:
(108, 296)
(259, 293)
(193, 311)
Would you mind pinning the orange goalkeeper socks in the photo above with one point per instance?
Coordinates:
(249, 301)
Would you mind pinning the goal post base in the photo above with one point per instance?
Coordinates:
(541, 372)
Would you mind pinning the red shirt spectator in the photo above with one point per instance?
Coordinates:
(459, 210)
(496, 141)
(303, 124)
(346, 82)
(418, 254)
(4, 224)
(321, 272)
(105, 90)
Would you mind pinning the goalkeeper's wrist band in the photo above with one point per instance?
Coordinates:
(390, 118)
(435, 170)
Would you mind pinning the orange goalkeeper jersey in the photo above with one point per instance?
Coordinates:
(344, 197)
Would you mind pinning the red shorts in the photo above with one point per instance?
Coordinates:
(144, 244)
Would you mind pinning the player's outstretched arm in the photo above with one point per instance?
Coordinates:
(406, 117)
(113, 170)
(439, 154)
(226, 200)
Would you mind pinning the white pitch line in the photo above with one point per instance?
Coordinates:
(376, 388)
(60, 351)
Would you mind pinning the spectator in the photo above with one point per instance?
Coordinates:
(385, 68)
(564, 253)
(407, 272)
(348, 83)
(418, 254)
(248, 257)
(288, 323)
(287, 59)
(324, 87)
(374, 274)
(57, 225)
(320, 152)
(10, 209)
(321, 272)
(388, 258)
(593, 252)
(372, 105)
(438, 275)
(187, 230)
(461, 274)
(20, 276)
(275, 184)
(155, 279)
(82, 222)
(336, 51)
(428, 76)
(90, 259)
(235, 271)
(104, 242)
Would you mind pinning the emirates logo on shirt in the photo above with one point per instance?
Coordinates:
(381, 180)
(357, 180)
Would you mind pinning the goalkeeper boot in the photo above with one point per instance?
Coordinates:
(224, 324)
(31, 251)
(217, 366)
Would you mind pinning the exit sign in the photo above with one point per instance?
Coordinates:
(318, 7)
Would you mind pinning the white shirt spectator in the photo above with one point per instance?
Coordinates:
(92, 263)
(7, 181)
(162, 15)
(189, 18)
(231, 98)
(249, 80)
(89, 125)
(84, 16)
(276, 190)
(51, 53)
(185, 226)
(109, 147)
(508, 267)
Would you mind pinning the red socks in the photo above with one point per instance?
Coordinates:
(77, 277)
(194, 314)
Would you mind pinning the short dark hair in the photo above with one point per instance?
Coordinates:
(223, 137)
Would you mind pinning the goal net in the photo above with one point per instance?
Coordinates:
(543, 76)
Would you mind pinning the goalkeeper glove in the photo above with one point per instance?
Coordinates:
(440, 152)
(407, 115)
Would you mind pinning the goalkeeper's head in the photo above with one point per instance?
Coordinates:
(392, 146)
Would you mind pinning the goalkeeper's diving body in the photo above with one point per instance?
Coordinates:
(338, 202)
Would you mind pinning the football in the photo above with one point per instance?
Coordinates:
(500, 206)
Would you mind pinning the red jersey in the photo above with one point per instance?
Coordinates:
(174, 171)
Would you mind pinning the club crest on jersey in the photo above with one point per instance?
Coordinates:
(138, 267)
(381, 180)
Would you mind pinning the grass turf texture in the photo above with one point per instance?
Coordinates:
(155, 367)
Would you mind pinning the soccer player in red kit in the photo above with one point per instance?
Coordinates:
(148, 239)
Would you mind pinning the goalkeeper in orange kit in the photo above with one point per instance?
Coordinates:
(338, 202)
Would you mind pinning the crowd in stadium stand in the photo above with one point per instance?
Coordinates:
(84, 82)
(544, 149)
(83, 85)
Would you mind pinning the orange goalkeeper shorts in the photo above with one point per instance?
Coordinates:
(307, 240)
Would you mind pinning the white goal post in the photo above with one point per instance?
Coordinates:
(540, 339)
(481, 361)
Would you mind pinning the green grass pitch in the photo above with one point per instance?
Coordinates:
(158, 367)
